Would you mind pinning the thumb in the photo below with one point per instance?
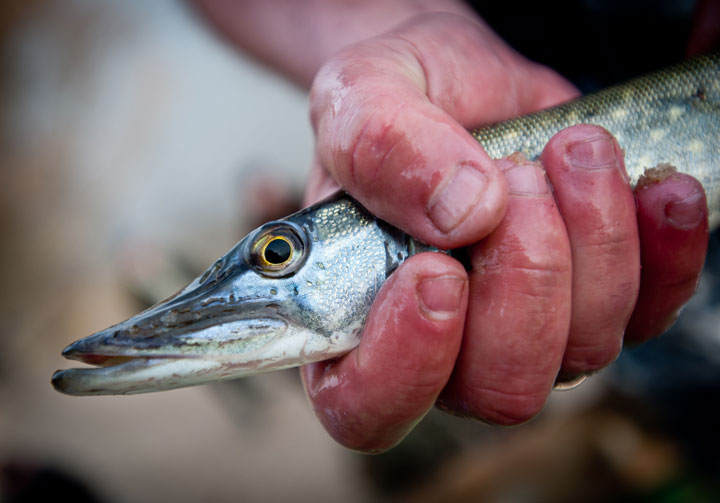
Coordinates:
(369, 399)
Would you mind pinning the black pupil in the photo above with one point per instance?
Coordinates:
(277, 251)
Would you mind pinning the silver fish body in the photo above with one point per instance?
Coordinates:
(298, 290)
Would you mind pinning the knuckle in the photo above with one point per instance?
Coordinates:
(358, 133)
(324, 91)
(509, 409)
(608, 240)
(590, 357)
(374, 140)
(504, 405)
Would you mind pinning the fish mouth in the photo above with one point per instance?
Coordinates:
(122, 364)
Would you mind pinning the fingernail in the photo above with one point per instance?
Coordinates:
(440, 296)
(686, 213)
(454, 201)
(593, 153)
(564, 381)
(526, 178)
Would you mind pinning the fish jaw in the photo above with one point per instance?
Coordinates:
(144, 373)
(256, 337)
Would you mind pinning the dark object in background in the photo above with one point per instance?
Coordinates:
(25, 482)
(414, 460)
(678, 374)
(594, 43)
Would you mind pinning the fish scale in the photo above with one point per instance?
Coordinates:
(671, 116)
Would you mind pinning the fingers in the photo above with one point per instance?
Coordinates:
(390, 115)
(586, 168)
(519, 307)
(705, 32)
(673, 224)
(540, 280)
(372, 397)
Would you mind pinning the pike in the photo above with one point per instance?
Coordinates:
(298, 290)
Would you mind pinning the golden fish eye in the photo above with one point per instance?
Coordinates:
(277, 249)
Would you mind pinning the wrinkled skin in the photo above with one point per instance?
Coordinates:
(555, 244)
(553, 285)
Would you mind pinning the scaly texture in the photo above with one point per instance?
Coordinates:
(671, 116)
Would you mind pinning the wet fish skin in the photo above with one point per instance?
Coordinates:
(237, 319)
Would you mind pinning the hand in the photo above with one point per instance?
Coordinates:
(555, 273)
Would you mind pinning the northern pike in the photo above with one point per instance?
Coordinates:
(298, 290)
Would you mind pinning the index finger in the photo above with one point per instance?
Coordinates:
(391, 113)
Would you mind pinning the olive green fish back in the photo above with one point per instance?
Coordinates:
(670, 116)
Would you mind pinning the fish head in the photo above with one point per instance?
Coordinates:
(293, 291)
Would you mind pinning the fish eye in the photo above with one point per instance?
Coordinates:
(277, 249)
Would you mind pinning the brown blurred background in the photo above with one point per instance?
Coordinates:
(135, 148)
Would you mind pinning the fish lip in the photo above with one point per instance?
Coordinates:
(117, 343)
(117, 379)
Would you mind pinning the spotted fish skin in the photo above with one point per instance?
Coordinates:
(671, 116)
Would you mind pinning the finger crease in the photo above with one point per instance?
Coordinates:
(417, 54)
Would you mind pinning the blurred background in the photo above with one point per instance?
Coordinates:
(135, 148)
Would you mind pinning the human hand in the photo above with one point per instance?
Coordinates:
(555, 281)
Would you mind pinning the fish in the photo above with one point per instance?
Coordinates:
(298, 290)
